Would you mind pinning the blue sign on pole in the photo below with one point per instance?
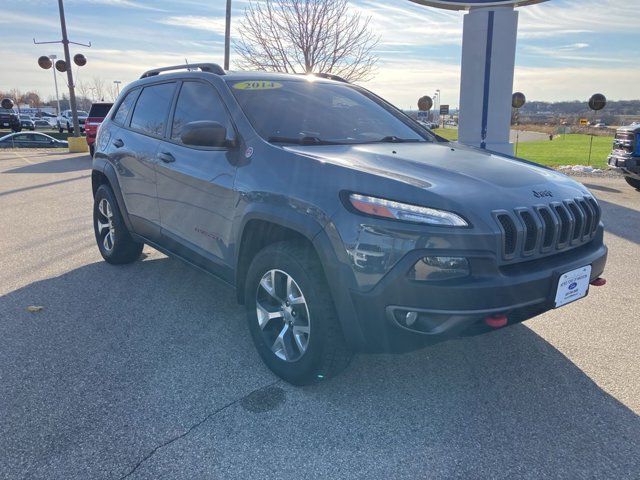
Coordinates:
(466, 4)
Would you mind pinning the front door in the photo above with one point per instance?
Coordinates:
(195, 184)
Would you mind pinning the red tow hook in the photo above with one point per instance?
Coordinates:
(599, 282)
(496, 321)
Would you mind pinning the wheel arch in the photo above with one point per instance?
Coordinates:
(260, 229)
(103, 173)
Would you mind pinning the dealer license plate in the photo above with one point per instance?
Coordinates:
(573, 285)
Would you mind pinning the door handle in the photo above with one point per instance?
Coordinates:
(166, 157)
(118, 143)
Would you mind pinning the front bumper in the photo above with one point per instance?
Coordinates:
(629, 164)
(458, 307)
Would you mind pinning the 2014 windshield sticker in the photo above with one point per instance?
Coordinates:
(257, 85)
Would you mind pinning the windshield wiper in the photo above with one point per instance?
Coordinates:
(307, 140)
(394, 139)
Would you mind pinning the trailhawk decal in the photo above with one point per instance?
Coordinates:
(257, 85)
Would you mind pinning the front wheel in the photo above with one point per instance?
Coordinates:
(114, 240)
(635, 183)
(291, 315)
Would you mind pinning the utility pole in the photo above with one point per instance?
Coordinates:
(117, 82)
(227, 36)
(55, 82)
(67, 59)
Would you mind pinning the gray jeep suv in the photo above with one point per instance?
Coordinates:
(342, 224)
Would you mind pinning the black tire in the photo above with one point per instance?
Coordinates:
(635, 183)
(124, 249)
(92, 150)
(326, 352)
(60, 129)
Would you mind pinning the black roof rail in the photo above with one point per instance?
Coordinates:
(328, 76)
(204, 67)
(331, 76)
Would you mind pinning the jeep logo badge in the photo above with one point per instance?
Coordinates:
(542, 193)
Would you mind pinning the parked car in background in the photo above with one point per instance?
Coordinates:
(27, 123)
(65, 121)
(96, 115)
(9, 118)
(625, 154)
(31, 140)
(41, 123)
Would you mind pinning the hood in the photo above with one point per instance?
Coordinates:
(457, 174)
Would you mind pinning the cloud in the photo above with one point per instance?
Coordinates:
(209, 24)
(127, 4)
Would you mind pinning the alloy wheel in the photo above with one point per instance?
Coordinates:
(283, 315)
(105, 222)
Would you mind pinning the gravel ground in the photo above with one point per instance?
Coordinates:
(147, 371)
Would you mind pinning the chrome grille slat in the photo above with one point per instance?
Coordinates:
(547, 229)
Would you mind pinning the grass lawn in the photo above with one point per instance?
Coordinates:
(570, 149)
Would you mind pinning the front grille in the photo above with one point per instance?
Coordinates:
(548, 228)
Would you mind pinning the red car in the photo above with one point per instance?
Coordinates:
(96, 116)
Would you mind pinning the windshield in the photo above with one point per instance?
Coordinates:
(307, 112)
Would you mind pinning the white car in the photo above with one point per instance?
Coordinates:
(64, 121)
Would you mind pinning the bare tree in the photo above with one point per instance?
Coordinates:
(307, 36)
(99, 89)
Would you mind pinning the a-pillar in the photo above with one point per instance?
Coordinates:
(488, 60)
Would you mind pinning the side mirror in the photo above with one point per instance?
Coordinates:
(204, 133)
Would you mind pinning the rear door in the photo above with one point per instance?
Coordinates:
(195, 184)
(134, 145)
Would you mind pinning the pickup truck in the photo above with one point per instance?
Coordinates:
(625, 154)
(65, 121)
(9, 118)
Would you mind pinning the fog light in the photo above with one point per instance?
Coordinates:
(411, 318)
(439, 268)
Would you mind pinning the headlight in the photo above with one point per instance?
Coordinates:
(439, 268)
(379, 207)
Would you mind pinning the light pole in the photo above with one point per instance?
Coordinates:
(55, 82)
(65, 66)
(117, 83)
(227, 35)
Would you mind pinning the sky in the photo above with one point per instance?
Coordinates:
(567, 49)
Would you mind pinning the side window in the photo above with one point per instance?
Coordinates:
(198, 101)
(123, 110)
(152, 108)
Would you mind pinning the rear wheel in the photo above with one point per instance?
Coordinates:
(635, 183)
(114, 240)
(291, 315)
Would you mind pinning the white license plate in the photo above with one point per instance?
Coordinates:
(573, 285)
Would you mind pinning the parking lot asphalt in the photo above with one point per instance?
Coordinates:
(147, 371)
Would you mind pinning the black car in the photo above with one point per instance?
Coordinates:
(27, 123)
(31, 140)
(9, 118)
(626, 154)
(342, 224)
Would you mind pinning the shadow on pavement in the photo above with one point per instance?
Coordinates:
(601, 188)
(620, 220)
(124, 359)
(63, 165)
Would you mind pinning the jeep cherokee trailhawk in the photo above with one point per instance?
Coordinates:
(342, 224)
